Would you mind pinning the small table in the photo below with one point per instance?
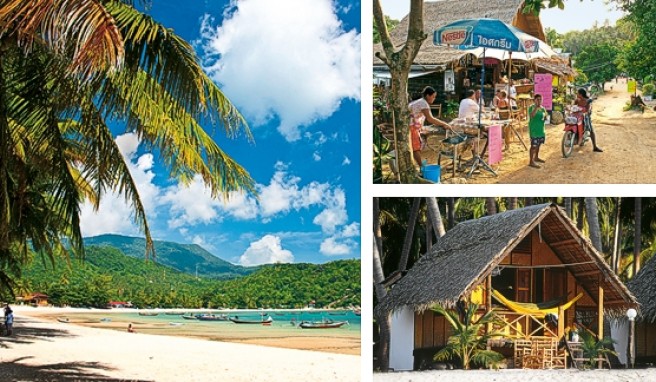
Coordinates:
(469, 127)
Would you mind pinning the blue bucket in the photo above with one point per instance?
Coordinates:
(432, 173)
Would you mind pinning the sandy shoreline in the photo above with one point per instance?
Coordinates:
(519, 375)
(343, 342)
(43, 350)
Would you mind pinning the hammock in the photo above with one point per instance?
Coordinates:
(538, 310)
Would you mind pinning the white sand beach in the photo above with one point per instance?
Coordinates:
(44, 350)
(518, 375)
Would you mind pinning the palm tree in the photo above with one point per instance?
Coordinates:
(592, 214)
(469, 338)
(637, 236)
(67, 70)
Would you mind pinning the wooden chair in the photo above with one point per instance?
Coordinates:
(436, 108)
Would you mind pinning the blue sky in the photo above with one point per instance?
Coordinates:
(292, 67)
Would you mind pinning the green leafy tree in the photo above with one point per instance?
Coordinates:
(598, 62)
(593, 349)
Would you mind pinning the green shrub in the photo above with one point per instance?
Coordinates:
(648, 89)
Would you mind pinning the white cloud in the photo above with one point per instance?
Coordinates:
(286, 60)
(346, 161)
(267, 250)
(332, 247)
(335, 212)
(351, 230)
(114, 214)
(316, 156)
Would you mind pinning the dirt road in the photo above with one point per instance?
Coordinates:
(627, 138)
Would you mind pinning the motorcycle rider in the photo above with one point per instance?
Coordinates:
(584, 102)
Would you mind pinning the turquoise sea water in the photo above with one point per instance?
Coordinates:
(282, 325)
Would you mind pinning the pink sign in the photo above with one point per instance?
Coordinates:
(544, 87)
(495, 144)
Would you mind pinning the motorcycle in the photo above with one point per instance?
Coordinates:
(576, 119)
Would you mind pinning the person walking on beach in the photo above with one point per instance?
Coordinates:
(131, 329)
(537, 115)
(9, 320)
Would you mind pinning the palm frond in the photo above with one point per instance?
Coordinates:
(83, 26)
(172, 62)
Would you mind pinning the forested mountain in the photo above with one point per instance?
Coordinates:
(183, 257)
(107, 274)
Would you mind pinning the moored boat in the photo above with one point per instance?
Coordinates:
(237, 320)
(321, 324)
(189, 317)
(213, 317)
(152, 314)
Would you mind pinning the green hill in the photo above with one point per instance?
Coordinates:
(107, 274)
(183, 257)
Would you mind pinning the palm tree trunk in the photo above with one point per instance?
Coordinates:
(409, 233)
(490, 206)
(512, 203)
(451, 212)
(378, 235)
(568, 207)
(528, 202)
(429, 234)
(592, 213)
(637, 236)
(615, 258)
(435, 217)
(579, 215)
(383, 318)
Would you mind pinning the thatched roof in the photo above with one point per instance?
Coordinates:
(555, 66)
(643, 286)
(440, 13)
(469, 252)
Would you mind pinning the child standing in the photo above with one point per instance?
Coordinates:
(537, 115)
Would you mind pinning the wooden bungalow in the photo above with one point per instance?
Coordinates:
(531, 255)
(643, 286)
(36, 299)
(431, 61)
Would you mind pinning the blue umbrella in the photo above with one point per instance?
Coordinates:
(485, 33)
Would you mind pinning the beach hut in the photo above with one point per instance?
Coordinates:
(643, 286)
(36, 299)
(432, 61)
(530, 255)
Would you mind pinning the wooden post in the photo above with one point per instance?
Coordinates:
(600, 329)
(561, 322)
(600, 323)
(488, 303)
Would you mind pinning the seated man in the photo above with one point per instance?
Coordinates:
(469, 107)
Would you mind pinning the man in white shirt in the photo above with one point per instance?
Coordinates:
(469, 106)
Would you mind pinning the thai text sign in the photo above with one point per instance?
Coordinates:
(631, 86)
(499, 43)
(495, 144)
(544, 87)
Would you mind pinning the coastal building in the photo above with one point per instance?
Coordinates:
(35, 299)
(451, 71)
(530, 255)
(119, 304)
(643, 286)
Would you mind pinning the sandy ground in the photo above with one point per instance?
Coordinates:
(570, 375)
(338, 342)
(627, 138)
(44, 350)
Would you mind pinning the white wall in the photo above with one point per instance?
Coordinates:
(619, 332)
(402, 339)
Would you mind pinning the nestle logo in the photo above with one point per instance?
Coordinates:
(454, 36)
